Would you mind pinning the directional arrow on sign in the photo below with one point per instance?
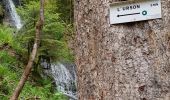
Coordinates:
(138, 10)
(128, 14)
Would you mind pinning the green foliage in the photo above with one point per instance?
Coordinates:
(59, 96)
(66, 11)
(6, 82)
(15, 50)
(53, 44)
(10, 72)
(8, 39)
(6, 59)
(9, 79)
(8, 47)
(5, 35)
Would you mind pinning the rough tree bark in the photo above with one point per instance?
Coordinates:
(121, 62)
(24, 77)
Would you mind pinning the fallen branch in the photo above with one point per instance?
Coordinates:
(24, 77)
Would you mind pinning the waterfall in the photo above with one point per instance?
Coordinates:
(15, 18)
(65, 78)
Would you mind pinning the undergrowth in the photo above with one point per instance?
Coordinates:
(11, 69)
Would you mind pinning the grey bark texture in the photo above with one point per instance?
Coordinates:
(121, 62)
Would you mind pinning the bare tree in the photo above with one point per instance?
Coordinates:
(24, 77)
(121, 62)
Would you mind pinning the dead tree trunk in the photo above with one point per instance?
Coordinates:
(28, 68)
(121, 62)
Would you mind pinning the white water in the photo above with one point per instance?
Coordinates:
(64, 79)
(15, 17)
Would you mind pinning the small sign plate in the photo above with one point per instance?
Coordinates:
(124, 12)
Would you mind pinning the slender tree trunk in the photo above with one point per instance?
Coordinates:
(121, 62)
(28, 68)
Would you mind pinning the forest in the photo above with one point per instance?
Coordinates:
(84, 50)
(18, 20)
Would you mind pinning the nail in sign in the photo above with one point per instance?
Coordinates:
(124, 12)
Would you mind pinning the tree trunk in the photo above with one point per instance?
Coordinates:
(121, 62)
(28, 68)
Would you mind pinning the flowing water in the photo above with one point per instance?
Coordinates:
(65, 78)
(64, 75)
(15, 18)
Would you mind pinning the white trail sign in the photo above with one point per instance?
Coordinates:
(124, 12)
